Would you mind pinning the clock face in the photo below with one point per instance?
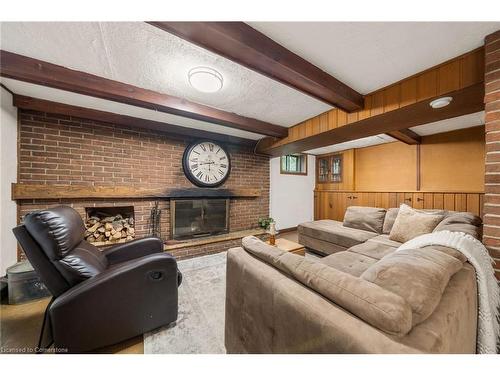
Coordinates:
(206, 163)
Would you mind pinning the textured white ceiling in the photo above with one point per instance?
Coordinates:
(143, 55)
(60, 96)
(443, 126)
(358, 143)
(461, 122)
(371, 55)
(364, 55)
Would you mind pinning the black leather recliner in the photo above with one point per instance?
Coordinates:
(99, 297)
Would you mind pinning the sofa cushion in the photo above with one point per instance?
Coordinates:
(392, 213)
(389, 219)
(411, 223)
(374, 249)
(371, 303)
(385, 240)
(448, 250)
(364, 218)
(417, 275)
(335, 232)
(465, 222)
(319, 246)
(349, 262)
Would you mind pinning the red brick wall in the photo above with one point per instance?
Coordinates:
(55, 149)
(491, 236)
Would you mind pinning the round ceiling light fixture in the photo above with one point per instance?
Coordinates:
(205, 79)
(441, 102)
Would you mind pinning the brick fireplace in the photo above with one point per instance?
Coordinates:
(64, 150)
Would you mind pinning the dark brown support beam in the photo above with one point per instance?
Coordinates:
(406, 136)
(465, 101)
(40, 72)
(246, 46)
(41, 105)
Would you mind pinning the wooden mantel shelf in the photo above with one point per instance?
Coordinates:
(29, 191)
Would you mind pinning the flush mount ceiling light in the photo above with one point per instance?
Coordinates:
(205, 79)
(441, 102)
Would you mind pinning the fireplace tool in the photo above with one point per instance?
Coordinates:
(154, 221)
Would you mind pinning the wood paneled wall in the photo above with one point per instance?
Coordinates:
(453, 161)
(451, 172)
(332, 204)
(386, 167)
(463, 71)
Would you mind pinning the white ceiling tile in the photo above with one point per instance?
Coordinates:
(358, 143)
(455, 123)
(370, 55)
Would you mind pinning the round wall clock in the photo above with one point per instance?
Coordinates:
(206, 163)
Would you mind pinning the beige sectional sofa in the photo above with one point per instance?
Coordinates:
(363, 297)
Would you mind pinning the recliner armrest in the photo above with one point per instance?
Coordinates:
(133, 250)
(124, 301)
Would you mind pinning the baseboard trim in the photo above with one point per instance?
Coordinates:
(285, 230)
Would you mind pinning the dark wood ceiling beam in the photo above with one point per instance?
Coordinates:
(465, 101)
(41, 105)
(39, 72)
(246, 46)
(406, 136)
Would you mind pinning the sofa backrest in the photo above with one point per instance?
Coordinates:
(419, 276)
(454, 221)
(377, 306)
(465, 222)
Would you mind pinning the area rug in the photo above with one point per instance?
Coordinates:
(200, 326)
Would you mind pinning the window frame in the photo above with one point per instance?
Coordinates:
(282, 171)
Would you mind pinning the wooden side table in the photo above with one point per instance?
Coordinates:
(290, 246)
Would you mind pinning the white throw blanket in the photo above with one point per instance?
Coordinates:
(487, 285)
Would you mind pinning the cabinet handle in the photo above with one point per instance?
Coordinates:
(354, 197)
(420, 199)
(408, 199)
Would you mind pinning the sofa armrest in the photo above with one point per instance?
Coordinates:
(122, 302)
(133, 250)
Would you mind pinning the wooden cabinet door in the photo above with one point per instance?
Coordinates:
(474, 204)
(428, 200)
(356, 199)
(340, 206)
(330, 205)
(316, 205)
(418, 200)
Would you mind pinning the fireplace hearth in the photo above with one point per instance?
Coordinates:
(193, 218)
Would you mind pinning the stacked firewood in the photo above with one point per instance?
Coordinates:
(109, 229)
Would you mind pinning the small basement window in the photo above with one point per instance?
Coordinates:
(294, 164)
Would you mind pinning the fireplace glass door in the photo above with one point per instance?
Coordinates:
(193, 218)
